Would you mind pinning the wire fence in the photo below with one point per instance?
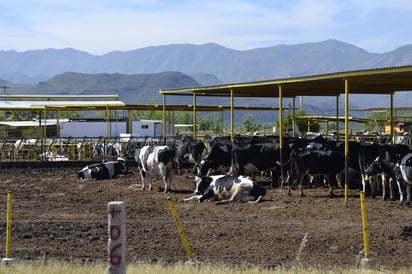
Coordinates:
(73, 148)
(67, 231)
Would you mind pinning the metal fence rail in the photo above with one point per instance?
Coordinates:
(72, 149)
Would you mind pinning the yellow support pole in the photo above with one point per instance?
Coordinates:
(391, 120)
(164, 118)
(106, 115)
(194, 116)
(346, 139)
(58, 123)
(180, 229)
(280, 116)
(280, 131)
(232, 116)
(364, 227)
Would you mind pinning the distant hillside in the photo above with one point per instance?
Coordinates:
(138, 75)
(132, 89)
(227, 65)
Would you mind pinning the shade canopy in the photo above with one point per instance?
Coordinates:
(372, 81)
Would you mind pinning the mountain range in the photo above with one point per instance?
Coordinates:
(138, 75)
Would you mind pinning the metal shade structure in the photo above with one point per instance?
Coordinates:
(44, 105)
(370, 81)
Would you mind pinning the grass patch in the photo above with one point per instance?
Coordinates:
(98, 268)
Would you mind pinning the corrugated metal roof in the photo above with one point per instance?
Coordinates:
(372, 81)
(35, 123)
(42, 104)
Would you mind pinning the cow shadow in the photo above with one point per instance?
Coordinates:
(182, 191)
(335, 196)
(265, 183)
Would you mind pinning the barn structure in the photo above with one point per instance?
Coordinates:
(370, 81)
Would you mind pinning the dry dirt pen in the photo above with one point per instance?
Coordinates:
(57, 217)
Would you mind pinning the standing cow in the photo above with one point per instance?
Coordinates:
(219, 159)
(369, 152)
(189, 152)
(315, 162)
(259, 154)
(400, 171)
(155, 160)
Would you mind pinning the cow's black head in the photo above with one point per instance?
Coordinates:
(201, 169)
(120, 166)
(375, 167)
(202, 183)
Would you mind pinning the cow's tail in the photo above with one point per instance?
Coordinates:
(256, 201)
(285, 163)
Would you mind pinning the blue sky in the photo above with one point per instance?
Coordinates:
(101, 26)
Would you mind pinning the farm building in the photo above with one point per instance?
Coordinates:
(80, 128)
(95, 128)
(36, 116)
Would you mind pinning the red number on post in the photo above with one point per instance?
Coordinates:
(115, 259)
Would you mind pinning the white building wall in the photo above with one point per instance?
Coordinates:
(90, 129)
(140, 128)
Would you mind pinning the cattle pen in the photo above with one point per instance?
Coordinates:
(57, 216)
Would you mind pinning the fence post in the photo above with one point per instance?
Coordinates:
(117, 237)
(8, 260)
(181, 232)
(366, 262)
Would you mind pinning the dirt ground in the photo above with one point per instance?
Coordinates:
(57, 217)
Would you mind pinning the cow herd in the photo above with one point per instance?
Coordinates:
(225, 170)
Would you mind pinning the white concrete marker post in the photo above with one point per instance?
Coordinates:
(117, 237)
(8, 260)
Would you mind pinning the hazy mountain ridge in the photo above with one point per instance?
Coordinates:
(138, 75)
(226, 64)
(132, 89)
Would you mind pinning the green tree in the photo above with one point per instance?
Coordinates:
(184, 117)
(69, 114)
(249, 123)
(210, 123)
(375, 123)
(204, 124)
(302, 124)
(148, 114)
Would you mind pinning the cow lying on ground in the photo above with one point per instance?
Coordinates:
(225, 189)
(103, 171)
(155, 161)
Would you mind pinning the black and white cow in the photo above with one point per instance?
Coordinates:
(225, 189)
(155, 160)
(219, 159)
(103, 171)
(259, 155)
(315, 162)
(368, 153)
(400, 171)
(189, 152)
